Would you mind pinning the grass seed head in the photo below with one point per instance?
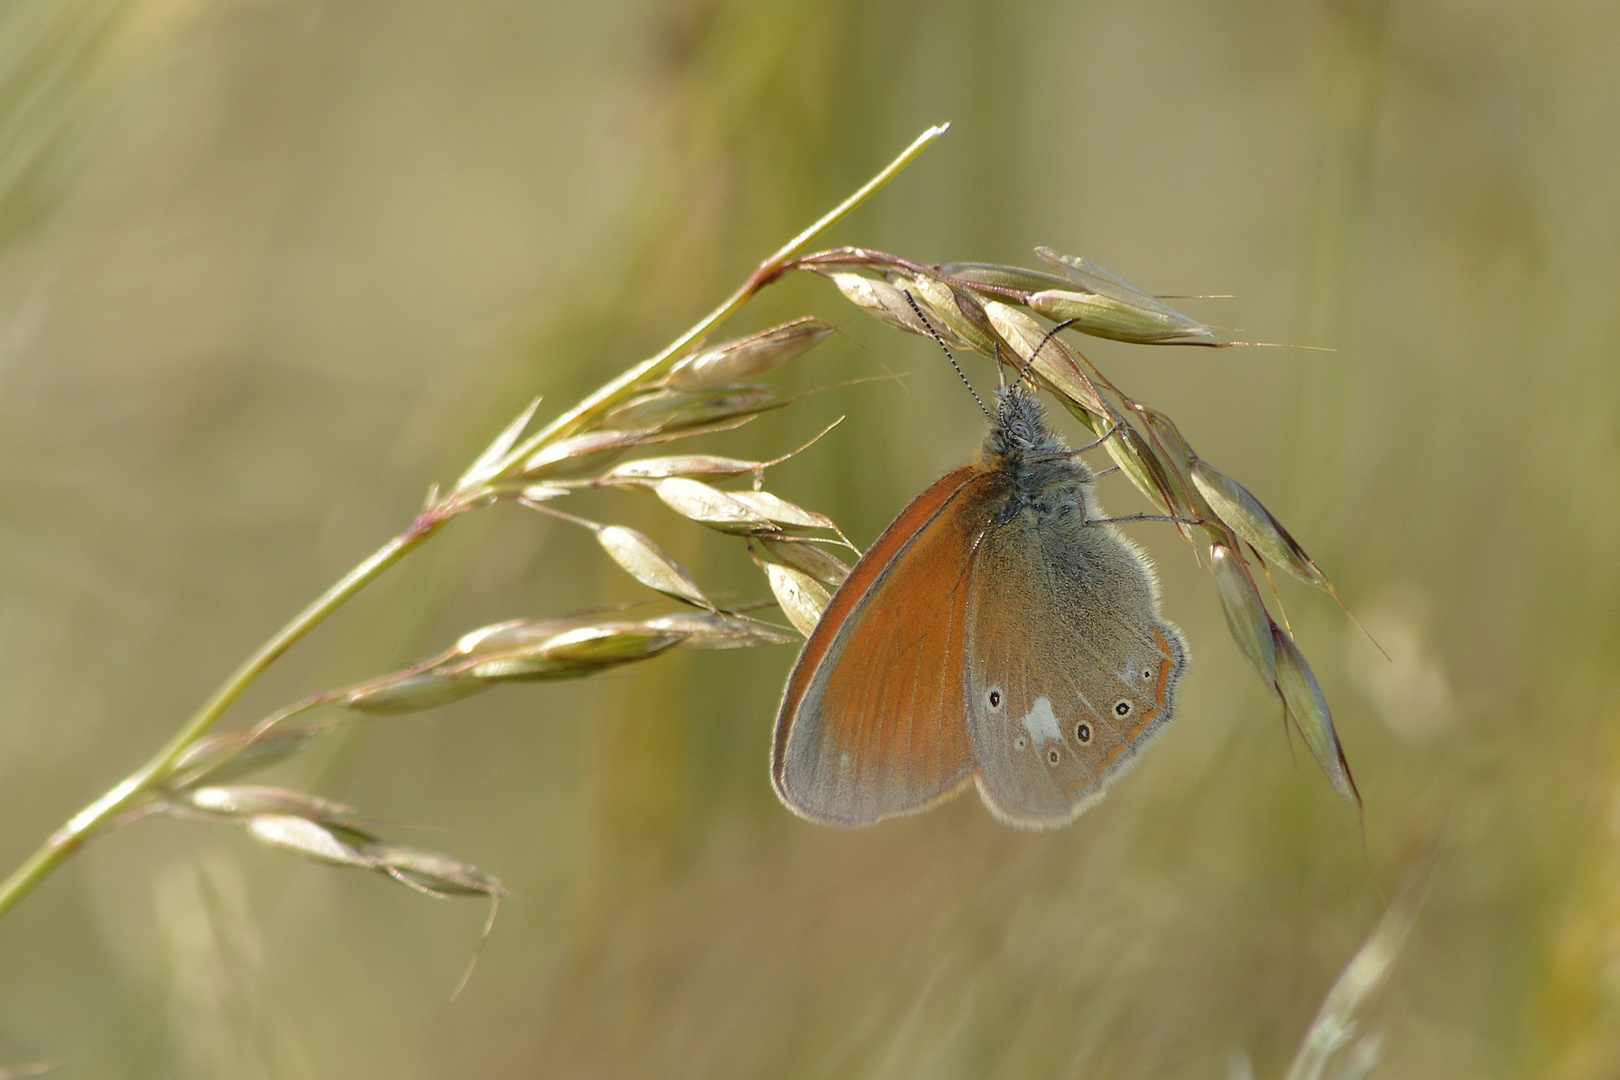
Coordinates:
(578, 455)
(801, 555)
(515, 634)
(957, 312)
(1051, 358)
(251, 801)
(1140, 463)
(749, 358)
(780, 512)
(1240, 510)
(714, 631)
(431, 871)
(224, 757)
(661, 468)
(571, 653)
(312, 840)
(1305, 704)
(1107, 317)
(570, 639)
(674, 410)
(650, 564)
(410, 693)
(709, 506)
(802, 597)
(1106, 305)
(488, 465)
(1245, 611)
(887, 303)
(1004, 277)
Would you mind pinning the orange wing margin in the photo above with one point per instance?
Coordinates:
(873, 722)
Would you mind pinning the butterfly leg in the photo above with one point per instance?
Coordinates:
(1145, 517)
(1113, 429)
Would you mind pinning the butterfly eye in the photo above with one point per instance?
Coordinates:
(994, 698)
(1083, 732)
(1122, 708)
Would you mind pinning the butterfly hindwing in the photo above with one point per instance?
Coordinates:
(1069, 681)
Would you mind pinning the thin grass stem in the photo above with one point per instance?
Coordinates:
(768, 271)
(129, 794)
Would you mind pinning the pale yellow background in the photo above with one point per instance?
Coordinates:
(269, 268)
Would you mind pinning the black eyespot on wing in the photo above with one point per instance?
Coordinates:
(1083, 732)
(1053, 755)
(994, 697)
(1020, 742)
(1122, 708)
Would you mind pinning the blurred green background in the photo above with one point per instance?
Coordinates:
(268, 268)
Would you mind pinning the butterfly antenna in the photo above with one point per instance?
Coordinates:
(941, 342)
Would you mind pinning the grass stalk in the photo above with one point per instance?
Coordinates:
(136, 789)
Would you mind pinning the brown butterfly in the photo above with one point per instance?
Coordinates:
(1000, 632)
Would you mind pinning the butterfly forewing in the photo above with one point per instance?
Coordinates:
(1067, 684)
(873, 723)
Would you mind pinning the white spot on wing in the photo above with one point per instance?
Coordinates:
(1041, 722)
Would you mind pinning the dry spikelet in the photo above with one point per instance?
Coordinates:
(782, 513)
(662, 468)
(252, 801)
(1245, 611)
(488, 464)
(1303, 699)
(957, 312)
(801, 597)
(1235, 506)
(729, 364)
(570, 653)
(1003, 278)
(224, 757)
(312, 840)
(886, 303)
(1108, 306)
(578, 455)
(709, 506)
(674, 410)
(715, 631)
(1051, 359)
(410, 693)
(432, 872)
(650, 564)
(801, 555)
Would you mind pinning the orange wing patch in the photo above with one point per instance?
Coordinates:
(1167, 667)
(873, 722)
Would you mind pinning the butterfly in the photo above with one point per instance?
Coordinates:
(1001, 632)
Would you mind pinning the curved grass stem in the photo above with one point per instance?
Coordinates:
(125, 797)
(769, 270)
(133, 792)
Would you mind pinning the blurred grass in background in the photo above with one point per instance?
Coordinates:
(270, 267)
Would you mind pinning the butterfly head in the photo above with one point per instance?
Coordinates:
(1019, 428)
(1021, 447)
